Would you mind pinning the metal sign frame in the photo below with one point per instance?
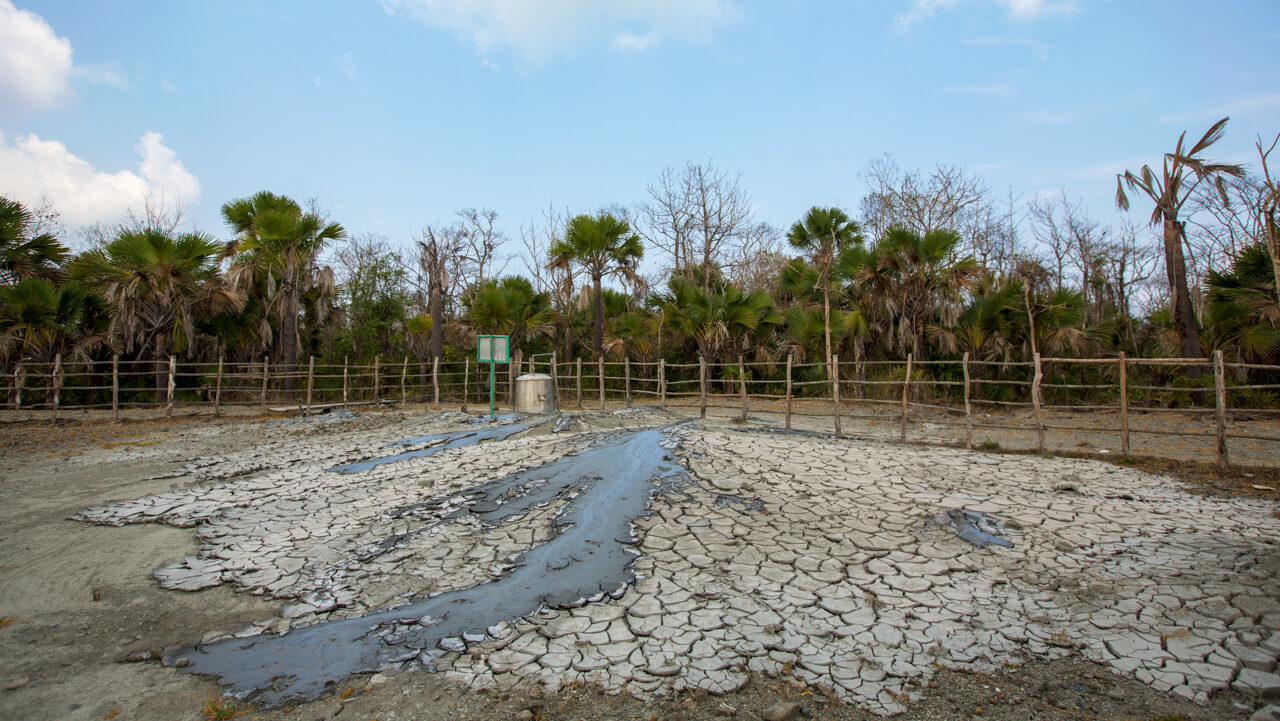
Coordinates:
(498, 349)
(492, 349)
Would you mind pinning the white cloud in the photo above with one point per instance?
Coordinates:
(107, 74)
(35, 64)
(920, 10)
(1211, 113)
(345, 64)
(1033, 9)
(635, 43)
(980, 89)
(536, 30)
(31, 168)
(1017, 9)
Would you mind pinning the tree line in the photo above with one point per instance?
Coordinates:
(929, 263)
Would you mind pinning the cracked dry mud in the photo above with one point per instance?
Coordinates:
(786, 553)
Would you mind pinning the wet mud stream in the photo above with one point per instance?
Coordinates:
(443, 442)
(604, 488)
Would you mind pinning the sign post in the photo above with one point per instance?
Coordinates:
(492, 349)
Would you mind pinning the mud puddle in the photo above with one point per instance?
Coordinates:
(605, 488)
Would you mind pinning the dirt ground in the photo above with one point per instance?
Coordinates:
(83, 623)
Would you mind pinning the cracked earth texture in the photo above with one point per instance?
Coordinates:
(833, 567)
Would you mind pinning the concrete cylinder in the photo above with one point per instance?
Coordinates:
(535, 394)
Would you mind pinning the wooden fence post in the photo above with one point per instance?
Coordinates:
(1220, 391)
(702, 383)
(435, 382)
(18, 378)
(344, 381)
(311, 380)
(115, 387)
(1124, 406)
(968, 408)
(404, 370)
(262, 399)
(377, 381)
(834, 367)
(906, 389)
(742, 388)
(662, 383)
(600, 373)
(466, 379)
(1035, 403)
(579, 383)
(626, 373)
(217, 390)
(788, 390)
(173, 368)
(56, 384)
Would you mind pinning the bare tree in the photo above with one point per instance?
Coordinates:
(755, 262)
(1076, 242)
(482, 238)
(1268, 208)
(947, 198)
(696, 215)
(440, 253)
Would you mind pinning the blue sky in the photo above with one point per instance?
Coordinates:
(395, 114)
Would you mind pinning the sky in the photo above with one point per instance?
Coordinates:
(395, 114)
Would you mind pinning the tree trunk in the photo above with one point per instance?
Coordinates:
(597, 322)
(435, 306)
(826, 315)
(1273, 247)
(1184, 319)
(289, 334)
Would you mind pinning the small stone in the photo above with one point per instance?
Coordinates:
(17, 684)
(781, 712)
(182, 663)
(525, 715)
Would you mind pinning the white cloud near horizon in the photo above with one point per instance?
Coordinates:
(537, 30)
(32, 168)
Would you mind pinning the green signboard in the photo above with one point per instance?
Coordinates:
(492, 349)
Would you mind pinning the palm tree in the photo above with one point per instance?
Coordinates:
(917, 277)
(510, 307)
(273, 233)
(23, 255)
(602, 245)
(824, 232)
(1242, 308)
(987, 327)
(722, 322)
(39, 320)
(157, 285)
(1181, 172)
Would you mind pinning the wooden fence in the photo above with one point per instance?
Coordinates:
(950, 392)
